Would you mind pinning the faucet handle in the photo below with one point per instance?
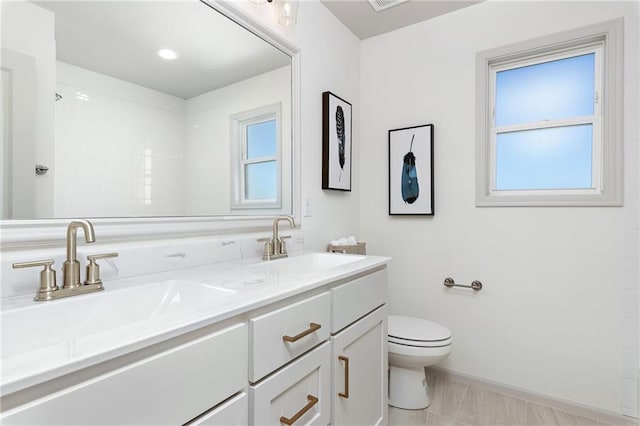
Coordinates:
(268, 252)
(93, 269)
(47, 277)
(283, 244)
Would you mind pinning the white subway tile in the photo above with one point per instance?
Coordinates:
(630, 396)
(630, 333)
(630, 307)
(630, 365)
(631, 273)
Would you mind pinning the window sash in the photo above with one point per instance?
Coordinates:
(240, 123)
(608, 36)
(595, 120)
(246, 161)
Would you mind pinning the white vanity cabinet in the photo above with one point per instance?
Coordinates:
(359, 352)
(313, 357)
(343, 381)
(168, 388)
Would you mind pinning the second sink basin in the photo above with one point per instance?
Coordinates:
(307, 263)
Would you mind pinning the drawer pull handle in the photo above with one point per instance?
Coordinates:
(345, 359)
(312, 327)
(312, 401)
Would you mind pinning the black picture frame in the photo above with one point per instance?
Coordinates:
(336, 142)
(411, 189)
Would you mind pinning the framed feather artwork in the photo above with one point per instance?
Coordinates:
(411, 171)
(336, 143)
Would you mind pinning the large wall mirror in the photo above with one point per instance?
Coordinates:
(100, 122)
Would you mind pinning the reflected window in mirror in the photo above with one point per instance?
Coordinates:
(256, 158)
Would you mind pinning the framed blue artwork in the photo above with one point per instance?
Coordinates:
(411, 171)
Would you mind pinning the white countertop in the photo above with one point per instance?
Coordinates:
(45, 340)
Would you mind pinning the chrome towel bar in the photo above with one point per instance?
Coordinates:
(476, 285)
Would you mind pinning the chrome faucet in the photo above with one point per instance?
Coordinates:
(275, 247)
(71, 267)
(48, 289)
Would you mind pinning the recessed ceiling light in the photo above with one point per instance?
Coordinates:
(167, 54)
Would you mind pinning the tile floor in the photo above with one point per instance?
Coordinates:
(458, 404)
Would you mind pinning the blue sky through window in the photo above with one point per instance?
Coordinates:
(261, 139)
(260, 181)
(547, 91)
(551, 158)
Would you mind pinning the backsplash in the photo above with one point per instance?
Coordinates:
(137, 258)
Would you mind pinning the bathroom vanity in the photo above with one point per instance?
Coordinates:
(300, 340)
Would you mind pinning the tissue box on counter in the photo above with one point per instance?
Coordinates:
(347, 245)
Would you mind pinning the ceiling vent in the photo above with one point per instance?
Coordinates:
(380, 5)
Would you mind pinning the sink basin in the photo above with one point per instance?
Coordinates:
(307, 263)
(68, 320)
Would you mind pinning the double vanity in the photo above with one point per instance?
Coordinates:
(300, 340)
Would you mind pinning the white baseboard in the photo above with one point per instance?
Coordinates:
(541, 399)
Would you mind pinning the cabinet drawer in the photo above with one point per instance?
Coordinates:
(357, 298)
(234, 412)
(300, 389)
(299, 321)
(169, 388)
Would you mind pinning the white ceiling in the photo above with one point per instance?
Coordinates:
(119, 39)
(365, 22)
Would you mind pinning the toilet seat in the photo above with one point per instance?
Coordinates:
(417, 332)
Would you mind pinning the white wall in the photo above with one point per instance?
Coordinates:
(551, 317)
(207, 137)
(29, 30)
(329, 60)
(119, 148)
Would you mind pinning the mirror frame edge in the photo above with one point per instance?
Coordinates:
(42, 232)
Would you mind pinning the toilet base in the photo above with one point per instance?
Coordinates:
(408, 388)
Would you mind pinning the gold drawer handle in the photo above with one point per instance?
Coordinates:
(312, 327)
(312, 401)
(345, 394)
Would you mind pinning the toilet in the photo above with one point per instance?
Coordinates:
(414, 343)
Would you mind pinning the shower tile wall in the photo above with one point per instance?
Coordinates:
(118, 146)
(157, 155)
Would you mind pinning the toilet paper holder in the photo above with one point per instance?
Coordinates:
(475, 285)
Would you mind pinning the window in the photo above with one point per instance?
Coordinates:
(256, 147)
(549, 124)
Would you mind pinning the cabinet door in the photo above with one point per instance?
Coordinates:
(359, 371)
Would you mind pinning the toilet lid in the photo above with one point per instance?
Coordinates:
(409, 329)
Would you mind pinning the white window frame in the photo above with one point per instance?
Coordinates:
(239, 124)
(605, 40)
